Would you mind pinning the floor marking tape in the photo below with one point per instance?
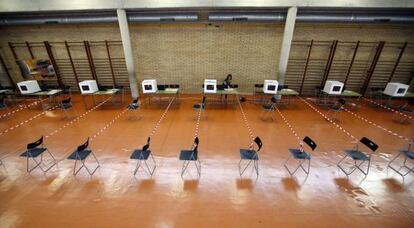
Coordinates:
(377, 125)
(27, 120)
(388, 108)
(21, 107)
(246, 122)
(77, 118)
(327, 118)
(288, 124)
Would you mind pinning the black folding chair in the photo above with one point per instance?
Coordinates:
(3, 105)
(250, 155)
(34, 150)
(143, 155)
(301, 156)
(404, 109)
(81, 154)
(191, 155)
(66, 105)
(336, 109)
(358, 156)
(269, 108)
(134, 107)
(201, 106)
(407, 154)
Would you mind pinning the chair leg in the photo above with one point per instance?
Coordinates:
(151, 171)
(137, 167)
(53, 164)
(297, 167)
(87, 169)
(29, 170)
(404, 165)
(245, 167)
(75, 172)
(185, 166)
(343, 170)
(308, 168)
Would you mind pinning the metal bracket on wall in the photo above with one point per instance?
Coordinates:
(329, 62)
(371, 69)
(306, 67)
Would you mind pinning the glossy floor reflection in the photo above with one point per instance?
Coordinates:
(113, 197)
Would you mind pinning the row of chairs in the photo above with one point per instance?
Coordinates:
(248, 157)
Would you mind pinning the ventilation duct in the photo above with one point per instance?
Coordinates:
(94, 18)
(318, 17)
(249, 17)
(165, 17)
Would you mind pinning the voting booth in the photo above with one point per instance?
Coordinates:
(28, 87)
(270, 86)
(333, 87)
(210, 86)
(395, 89)
(88, 86)
(149, 86)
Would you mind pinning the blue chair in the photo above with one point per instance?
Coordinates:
(406, 110)
(66, 105)
(359, 156)
(301, 156)
(34, 150)
(336, 109)
(408, 154)
(81, 154)
(269, 108)
(251, 156)
(143, 155)
(134, 107)
(3, 105)
(191, 156)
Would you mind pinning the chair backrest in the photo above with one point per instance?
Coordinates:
(368, 143)
(258, 142)
(259, 85)
(146, 146)
(135, 101)
(341, 101)
(204, 100)
(35, 144)
(2, 100)
(83, 146)
(309, 142)
(235, 86)
(66, 101)
(273, 99)
(174, 86)
(195, 145)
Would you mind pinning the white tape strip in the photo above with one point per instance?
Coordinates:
(161, 118)
(377, 125)
(27, 121)
(288, 124)
(388, 108)
(246, 122)
(76, 119)
(21, 107)
(328, 119)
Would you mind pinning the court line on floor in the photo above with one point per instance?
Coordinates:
(330, 120)
(27, 121)
(246, 122)
(61, 128)
(76, 119)
(288, 124)
(388, 108)
(21, 107)
(377, 125)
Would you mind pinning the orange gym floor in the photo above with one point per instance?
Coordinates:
(113, 197)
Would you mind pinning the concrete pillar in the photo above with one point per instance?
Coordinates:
(129, 58)
(286, 43)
